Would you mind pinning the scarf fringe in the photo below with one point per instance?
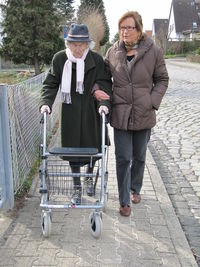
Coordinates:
(66, 98)
(79, 87)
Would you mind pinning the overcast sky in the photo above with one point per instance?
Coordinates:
(148, 9)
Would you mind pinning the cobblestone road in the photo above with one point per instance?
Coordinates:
(175, 146)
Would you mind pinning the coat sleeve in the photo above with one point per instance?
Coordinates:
(160, 80)
(51, 84)
(103, 82)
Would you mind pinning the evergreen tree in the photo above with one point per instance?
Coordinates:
(65, 9)
(115, 38)
(95, 5)
(109, 44)
(66, 13)
(31, 33)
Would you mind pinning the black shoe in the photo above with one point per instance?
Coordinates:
(76, 197)
(89, 187)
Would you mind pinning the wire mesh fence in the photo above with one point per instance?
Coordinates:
(24, 122)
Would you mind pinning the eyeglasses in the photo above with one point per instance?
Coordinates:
(128, 28)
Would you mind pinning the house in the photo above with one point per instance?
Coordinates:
(160, 32)
(184, 20)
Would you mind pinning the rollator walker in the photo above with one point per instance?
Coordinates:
(57, 181)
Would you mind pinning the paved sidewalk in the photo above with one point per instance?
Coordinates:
(151, 236)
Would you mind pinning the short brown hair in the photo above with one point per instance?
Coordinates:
(137, 18)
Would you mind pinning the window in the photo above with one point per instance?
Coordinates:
(194, 25)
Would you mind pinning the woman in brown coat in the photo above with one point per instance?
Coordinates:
(140, 80)
(78, 72)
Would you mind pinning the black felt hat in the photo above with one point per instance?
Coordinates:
(78, 33)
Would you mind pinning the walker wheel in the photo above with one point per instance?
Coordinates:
(46, 221)
(96, 224)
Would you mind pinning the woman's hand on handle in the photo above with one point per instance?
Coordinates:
(101, 95)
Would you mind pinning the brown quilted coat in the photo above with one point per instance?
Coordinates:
(137, 94)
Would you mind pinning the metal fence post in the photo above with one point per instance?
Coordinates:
(6, 176)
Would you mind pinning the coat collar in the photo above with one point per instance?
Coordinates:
(89, 62)
(144, 46)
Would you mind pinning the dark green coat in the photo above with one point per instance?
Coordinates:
(80, 121)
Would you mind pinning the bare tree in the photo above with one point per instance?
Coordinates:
(94, 20)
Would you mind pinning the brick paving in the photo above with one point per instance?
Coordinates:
(152, 236)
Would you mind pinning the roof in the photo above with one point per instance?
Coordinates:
(185, 15)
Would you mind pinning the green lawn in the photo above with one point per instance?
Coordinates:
(13, 77)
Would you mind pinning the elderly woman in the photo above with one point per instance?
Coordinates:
(78, 72)
(140, 80)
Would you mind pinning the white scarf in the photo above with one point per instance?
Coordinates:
(67, 75)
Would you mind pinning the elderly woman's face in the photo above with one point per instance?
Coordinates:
(77, 48)
(128, 31)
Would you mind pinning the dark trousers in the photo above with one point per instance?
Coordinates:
(130, 152)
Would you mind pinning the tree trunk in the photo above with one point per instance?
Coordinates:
(37, 66)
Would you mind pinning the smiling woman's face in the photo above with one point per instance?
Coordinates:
(77, 48)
